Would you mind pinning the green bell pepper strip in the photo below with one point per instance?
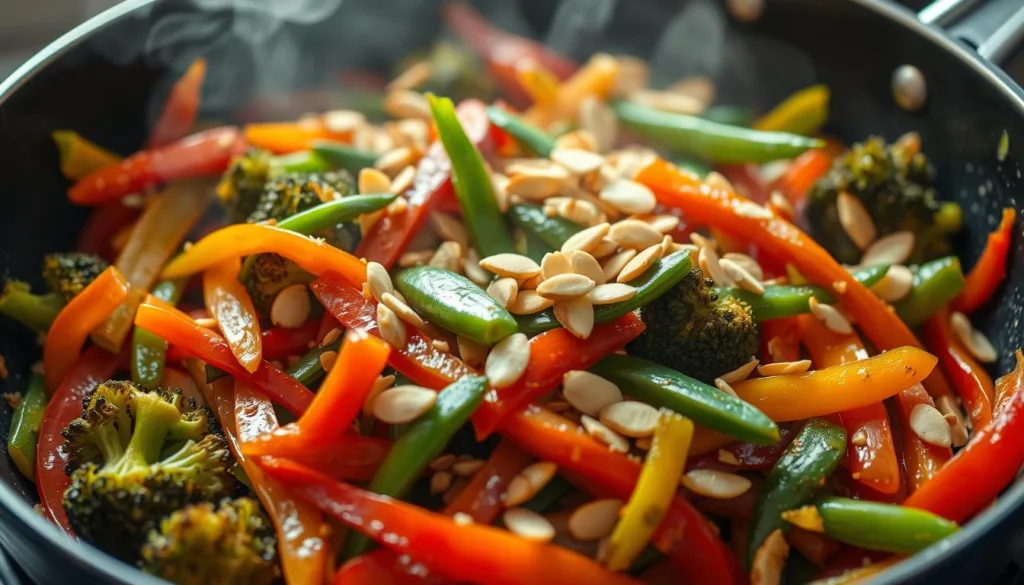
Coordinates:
(456, 303)
(656, 281)
(472, 182)
(149, 351)
(423, 440)
(36, 312)
(304, 161)
(936, 284)
(796, 478)
(711, 141)
(525, 133)
(344, 156)
(663, 387)
(877, 526)
(24, 435)
(553, 231)
(786, 300)
(308, 371)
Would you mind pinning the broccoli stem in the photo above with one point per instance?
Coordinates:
(34, 311)
(154, 418)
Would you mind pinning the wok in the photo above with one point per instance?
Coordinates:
(107, 78)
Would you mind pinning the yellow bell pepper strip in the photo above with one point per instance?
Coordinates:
(654, 491)
(228, 302)
(742, 218)
(78, 156)
(595, 78)
(311, 254)
(990, 269)
(25, 422)
(70, 329)
(182, 108)
(837, 388)
(804, 112)
(437, 541)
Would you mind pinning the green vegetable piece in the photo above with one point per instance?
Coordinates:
(548, 495)
(304, 161)
(797, 476)
(332, 213)
(454, 302)
(34, 311)
(149, 351)
(656, 281)
(730, 115)
(936, 284)
(786, 300)
(530, 245)
(694, 166)
(421, 443)
(711, 141)
(344, 156)
(21, 443)
(663, 387)
(308, 370)
(877, 526)
(553, 231)
(525, 133)
(472, 182)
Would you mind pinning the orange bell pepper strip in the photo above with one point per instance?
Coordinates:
(181, 331)
(337, 403)
(286, 137)
(229, 303)
(538, 81)
(802, 174)
(203, 154)
(71, 328)
(94, 366)
(990, 270)
(311, 254)
(451, 549)
(595, 78)
(78, 156)
(182, 108)
(921, 460)
(384, 567)
(971, 381)
(837, 388)
(872, 461)
(742, 218)
(1006, 385)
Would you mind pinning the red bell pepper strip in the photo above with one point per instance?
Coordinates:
(96, 236)
(71, 328)
(451, 549)
(204, 154)
(390, 235)
(990, 270)
(976, 475)
(283, 342)
(182, 108)
(1008, 384)
(747, 181)
(921, 461)
(93, 367)
(970, 379)
(736, 215)
(803, 172)
(384, 567)
(339, 400)
(181, 331)
(229, 303)
(748, 456)
(781, 340)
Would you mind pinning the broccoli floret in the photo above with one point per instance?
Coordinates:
(32, 310)
(134, 456)
(241, 187)
(68, 273)
(896, 185)
(201, 544)
(689, 329)
(289, 194)
(267, 275)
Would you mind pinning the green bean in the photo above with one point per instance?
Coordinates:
(149, 351)
(308, 370)
(526, 134)
(553, 231)
(24, 434)
(344, 156)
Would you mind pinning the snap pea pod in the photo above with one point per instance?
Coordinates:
(711, 141)
(731, 115)
(936, 284)
(656, 281)
(454, 302)
(472, 182)
(24, 435)
(332, 213)
(873, 525)
(304, 161)
(530, 245)
(528, 135)
(422, 442)
(796, 478)
(344, 156)
(553, 231)
(149, 351)
(663, 387)
(308, 370)
(786, 300)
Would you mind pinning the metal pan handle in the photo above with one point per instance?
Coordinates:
(995, 28)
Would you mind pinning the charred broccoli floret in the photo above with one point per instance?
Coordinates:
(202, 544)
(35, 311)
(135, 456)
(294, 192)
(267, 275)
(68, 273)
(241, 187)
(689, 329)
(896, 185)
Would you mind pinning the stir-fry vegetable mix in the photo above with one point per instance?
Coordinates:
(673, 366)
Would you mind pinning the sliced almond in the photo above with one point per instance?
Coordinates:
(536, 183)
(440, 482)
(830, 316)
(973, 340)
(578, 139)
(393, 161)
(524, 486)
(614, 265)
(589, 393)
(770, 557)
(576, 315)
(668, 101)
(416, 75)
(956, 419)
(640, 263)
(290, 308)
(613, 292)
(664, 223)
(586, 239)
(594, 520)
(449, 256)
(403, 180)
(528, 524)
(585, 264)
(404, 103)
(327, 359)
(343, 121)
(896, 284)
(634, 234)
(603, 248)
(725, 387)
(417, 258)
(715, 484)
(331, 336)
(404, 311)
(750, 209)
(555, 263)
(741, 373)
(746, 263)
(598, 118)
(633, 76)
(628, 196)
(507, 360)
(741, 277)
(499, 184)
(631, 419)
(578, 162)
(511, 265)
(564, 287)
(784, 368)
(381, 384)
(471, 266)
(471, 352)
(468, 468)
(504, 291)
(894, 248)
(856, 220)
(603, 434)
(372, 180)
(529, 302)
(727, 457)
(930, 426)
(709, 263)
(782, 204)
(403, 404)
(697, 87)
(392, 329)
(702, 241)
(443, 462)
(717, 180)
(448, 227)
(579, 211)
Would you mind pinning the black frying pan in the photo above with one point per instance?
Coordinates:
(106, 78)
